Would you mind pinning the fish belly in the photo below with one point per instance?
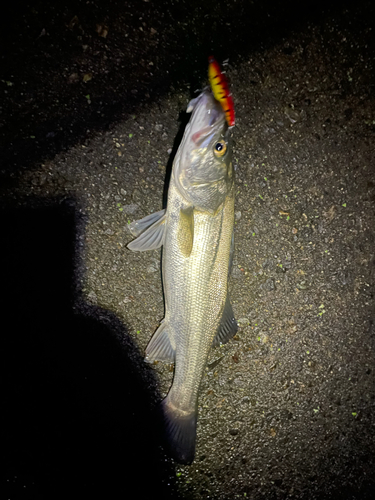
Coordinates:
(195, 289)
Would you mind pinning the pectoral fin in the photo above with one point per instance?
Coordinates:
(160, 348)
(151, 230)
(138, 226)
(228, 325)
(185, 232)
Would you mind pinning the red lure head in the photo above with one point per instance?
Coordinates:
(220, 89)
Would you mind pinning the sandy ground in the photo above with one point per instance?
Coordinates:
(93, 110)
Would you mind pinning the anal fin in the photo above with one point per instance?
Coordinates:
(160, 348)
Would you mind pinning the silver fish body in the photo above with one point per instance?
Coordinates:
(196, 231)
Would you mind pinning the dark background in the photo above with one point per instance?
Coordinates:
(78, 399)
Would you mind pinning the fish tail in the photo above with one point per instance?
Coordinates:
(180, 428)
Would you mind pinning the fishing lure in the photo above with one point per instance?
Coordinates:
(220, 89)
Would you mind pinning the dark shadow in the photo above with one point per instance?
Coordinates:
(79, 399)
(184, 120)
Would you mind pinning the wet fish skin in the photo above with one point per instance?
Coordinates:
(196, 230)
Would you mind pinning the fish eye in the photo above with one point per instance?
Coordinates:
(220, 149)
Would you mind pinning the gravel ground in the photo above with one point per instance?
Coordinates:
(93, 109)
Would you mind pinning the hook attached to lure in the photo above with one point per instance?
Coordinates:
(220, 89)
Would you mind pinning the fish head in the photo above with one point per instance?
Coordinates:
(203, 169)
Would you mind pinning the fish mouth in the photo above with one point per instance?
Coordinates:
(207, 122)
(206, 119)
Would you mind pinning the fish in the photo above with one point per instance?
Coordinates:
(220, 88)
(196, 232)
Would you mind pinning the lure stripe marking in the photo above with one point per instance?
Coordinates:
(220, 89)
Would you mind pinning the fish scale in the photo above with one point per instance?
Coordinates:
(202, 300)
(196, 231)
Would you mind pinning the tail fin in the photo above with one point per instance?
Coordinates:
(180, 428)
